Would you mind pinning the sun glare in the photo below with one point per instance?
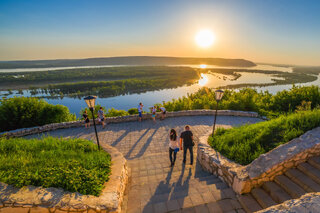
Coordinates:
(205, 38)
(203, 80)
(203, 66)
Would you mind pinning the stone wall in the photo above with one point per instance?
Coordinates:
(307, 203)
(50, 127)
(38, 199)
(243, 178)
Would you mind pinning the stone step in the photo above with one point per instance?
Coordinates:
(311, 171)
(207, 181)
(303, 180)
(220, 189)
(263, 198)
(294, 190)
(276, 192)
(248, 203)
(315, 162)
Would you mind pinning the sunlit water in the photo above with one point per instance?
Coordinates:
(211, 80)
(258, 67)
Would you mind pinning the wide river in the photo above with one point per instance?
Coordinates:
(211, 80)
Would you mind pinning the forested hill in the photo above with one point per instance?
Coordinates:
(126, 60)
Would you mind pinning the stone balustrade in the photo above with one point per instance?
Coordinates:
(307, 203)
(38, 199)
(244, 178)
(63, 125)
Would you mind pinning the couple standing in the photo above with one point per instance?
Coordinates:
(186, 138)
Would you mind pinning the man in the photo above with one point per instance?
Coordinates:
(187, 138)
(101, 117)
(163, 114)
(140, 109)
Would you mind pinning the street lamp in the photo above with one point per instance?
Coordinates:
(218, 97)
(90, 100)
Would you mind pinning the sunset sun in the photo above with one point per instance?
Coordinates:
(204, 38)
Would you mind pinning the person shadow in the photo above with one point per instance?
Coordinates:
(181, 188)
(170, 196)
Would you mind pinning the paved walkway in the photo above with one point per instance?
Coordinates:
(153, 185)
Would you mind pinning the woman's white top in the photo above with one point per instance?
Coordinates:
(173, 144)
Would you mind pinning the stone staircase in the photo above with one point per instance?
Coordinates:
(294, 183)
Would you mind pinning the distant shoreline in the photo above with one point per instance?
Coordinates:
(125, 60)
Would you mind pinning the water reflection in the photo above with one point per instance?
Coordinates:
(203, 80)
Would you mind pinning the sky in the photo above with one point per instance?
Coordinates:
(270, 31)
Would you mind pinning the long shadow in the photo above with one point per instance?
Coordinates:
(136, 143)
(164, 190)
(120, 138)
(181, 188)
(161, 193)
(145, 146)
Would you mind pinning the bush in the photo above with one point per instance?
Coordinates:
(133, 111)
(246, 143)
(114, 113)
(22, 112)
(248, 99)
(76, 165)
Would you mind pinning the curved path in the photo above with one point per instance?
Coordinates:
(153, 185)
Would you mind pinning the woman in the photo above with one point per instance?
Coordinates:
(173, 146)
(86, 119)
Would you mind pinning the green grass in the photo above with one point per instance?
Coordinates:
(245, 143)
(75, 165)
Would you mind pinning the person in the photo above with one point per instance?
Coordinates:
(187, 138)
(154, 113)
(101, 117)
(140, 109)
(86, 119)
(173, 146)
(163, 114)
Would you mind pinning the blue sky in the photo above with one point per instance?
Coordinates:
(274, 31)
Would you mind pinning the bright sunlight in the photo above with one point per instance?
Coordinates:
(205, 38)
(203, 80)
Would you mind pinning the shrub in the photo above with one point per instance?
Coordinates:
(114, 113)
(133, 111)
(22, 112)
(248, 99)
(246, 143)
(76, 165)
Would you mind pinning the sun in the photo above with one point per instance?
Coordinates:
(205, 38)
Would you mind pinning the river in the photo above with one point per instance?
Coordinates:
(211, 80)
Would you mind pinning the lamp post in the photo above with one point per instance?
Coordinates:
(218, 97)
(90, 100)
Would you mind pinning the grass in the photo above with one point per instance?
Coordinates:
(245, 143)
(75, 165)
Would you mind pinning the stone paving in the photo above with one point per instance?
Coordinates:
(153, 185)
